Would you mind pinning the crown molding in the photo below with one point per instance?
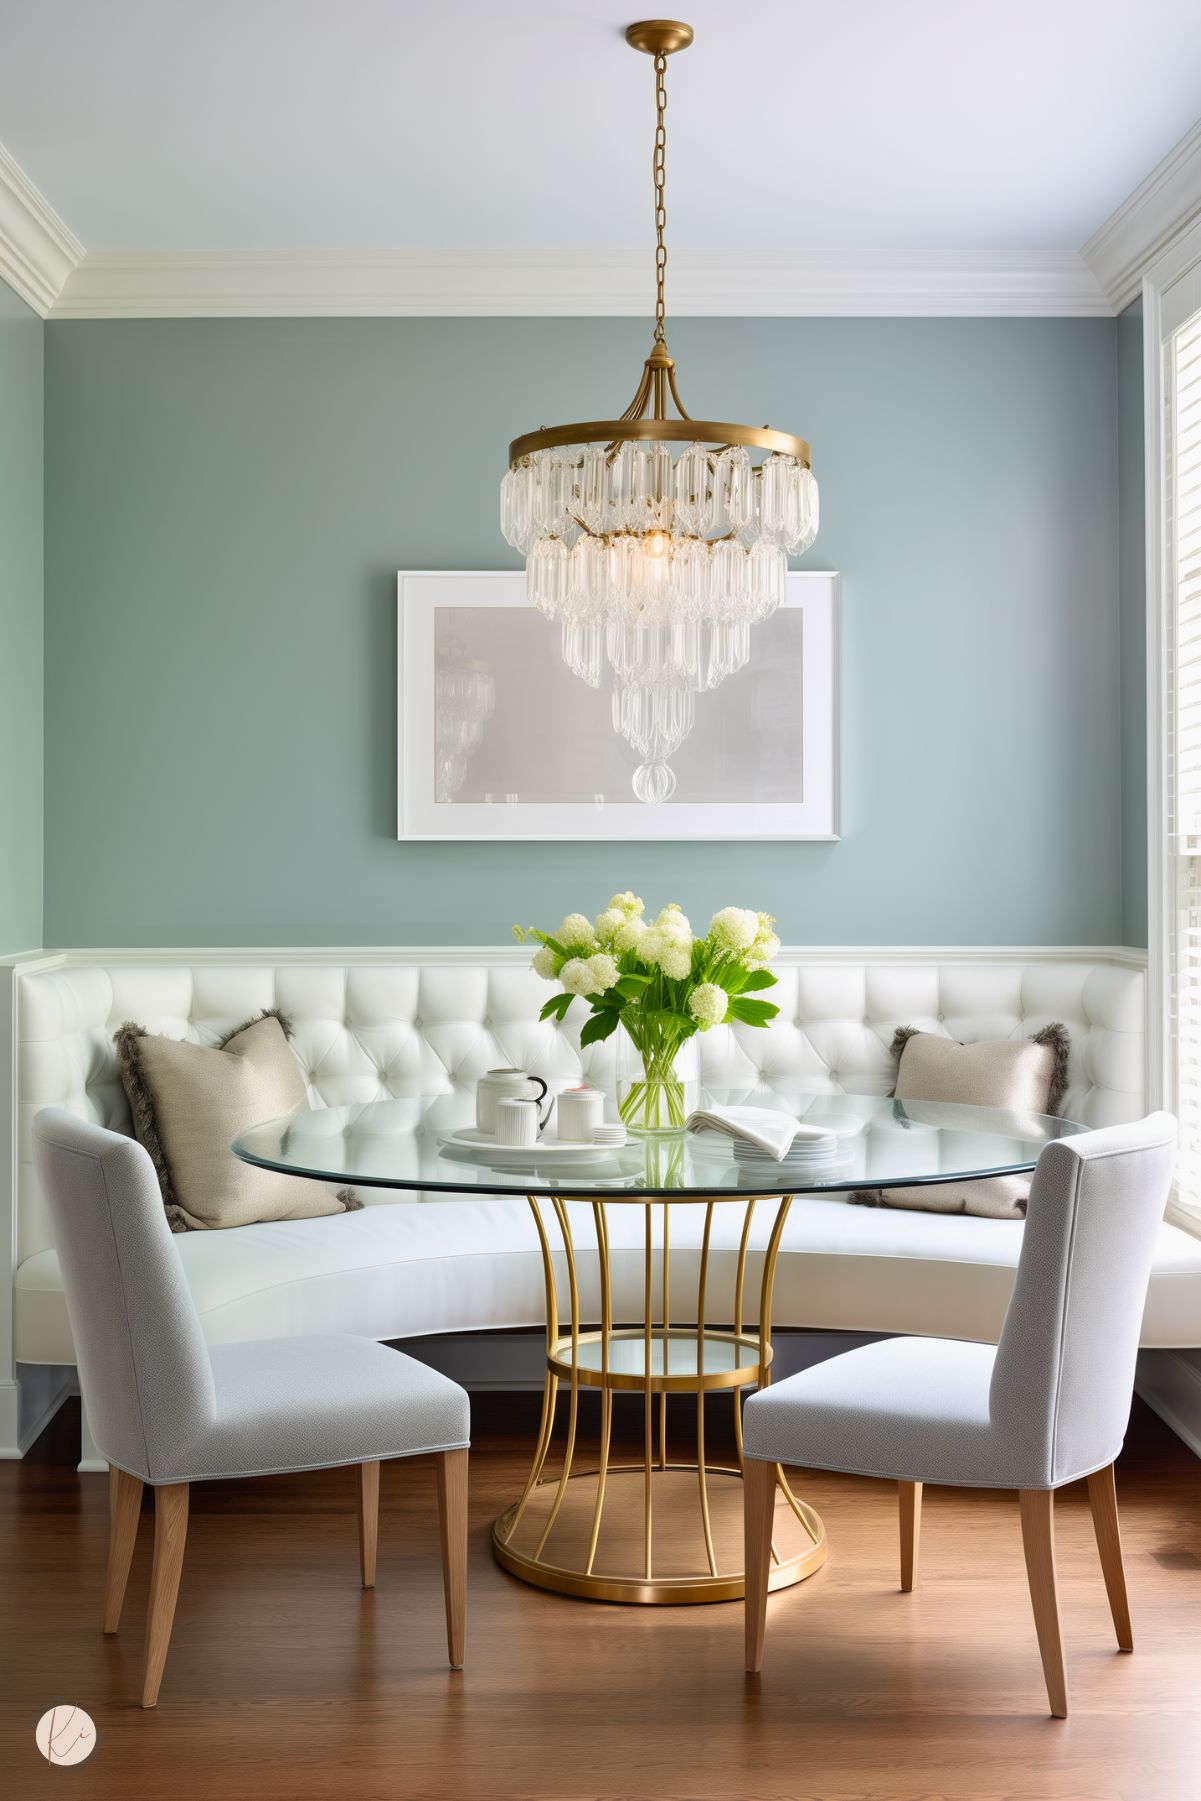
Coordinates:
(1146, 222)
(37, 251)
(402, 284)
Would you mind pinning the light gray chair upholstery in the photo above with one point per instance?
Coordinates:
(167, 1410)
(1047, 1406)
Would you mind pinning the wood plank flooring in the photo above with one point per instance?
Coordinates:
(287, 1681)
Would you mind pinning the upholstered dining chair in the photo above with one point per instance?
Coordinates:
(1047, 1406)
(167, 1410)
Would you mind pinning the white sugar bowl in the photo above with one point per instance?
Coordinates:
(580, 1111)
(504, 1085)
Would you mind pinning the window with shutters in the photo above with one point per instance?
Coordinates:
(1182, 471)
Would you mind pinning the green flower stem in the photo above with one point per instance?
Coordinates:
(657, 1102)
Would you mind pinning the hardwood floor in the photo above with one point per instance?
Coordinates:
(288, 1681)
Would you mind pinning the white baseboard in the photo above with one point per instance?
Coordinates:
(1170, 1383)
(29, 1404)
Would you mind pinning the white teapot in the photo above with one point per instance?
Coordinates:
(505, 1085)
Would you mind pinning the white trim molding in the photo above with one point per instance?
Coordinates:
(1180, 259)
(221, 956)
(37, 250)
(1145, 224)
(471, 284)
(1158, 900)
(1170, 1383)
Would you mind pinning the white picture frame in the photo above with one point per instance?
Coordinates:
(538, 716)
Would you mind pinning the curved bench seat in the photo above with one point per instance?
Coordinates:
(372, 1024)
(412, 1269)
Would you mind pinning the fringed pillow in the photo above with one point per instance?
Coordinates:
(189, 1100)
(1020, 1075)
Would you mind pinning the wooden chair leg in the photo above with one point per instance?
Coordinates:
(909, 1495)
(1038, 1541)
(452, 1525)
(368, 1521)
(170, 1533)
(758, 1510)
(1103, 1499)
(124, 1509)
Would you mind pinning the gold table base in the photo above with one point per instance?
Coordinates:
(676, 1578)
(656, 1532)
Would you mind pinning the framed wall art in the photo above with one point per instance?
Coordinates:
(499, 738)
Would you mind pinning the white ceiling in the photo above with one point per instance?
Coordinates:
(227, 125)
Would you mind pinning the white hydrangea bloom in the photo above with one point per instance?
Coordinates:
(609, 924)
(707, 1005)
(604, 973)
(628, 903)
(576, 976)
(546, 964)
(675, 960)
(673, 924)
(667, 951)
(650, 944)
(576, 933)
(764, 950)
(630, 936)
(734, 928)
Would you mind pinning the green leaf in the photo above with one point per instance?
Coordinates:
(757, 978)
(671, 1016)
(557, 1005)
(752, 1013)
(633, 986)
(601, 1025)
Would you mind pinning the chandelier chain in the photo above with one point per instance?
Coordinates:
(660, 171)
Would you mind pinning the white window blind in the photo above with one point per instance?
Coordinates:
(1182, 387)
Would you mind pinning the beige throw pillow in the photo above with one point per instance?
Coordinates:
(189, 1100)
(1022, 1075)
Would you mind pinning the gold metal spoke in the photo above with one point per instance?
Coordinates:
(575, 1505)
(700, 1392)
(606, 1297)
(573, 1414)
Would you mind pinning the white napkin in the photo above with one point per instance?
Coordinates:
(771, 1132)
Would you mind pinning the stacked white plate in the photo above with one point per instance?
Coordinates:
(810, 1157)
(811, 1152)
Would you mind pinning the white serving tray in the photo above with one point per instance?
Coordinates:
(522, 1156)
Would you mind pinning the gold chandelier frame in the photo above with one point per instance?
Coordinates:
(646, 418)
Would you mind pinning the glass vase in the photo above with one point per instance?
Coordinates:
(658, 1081)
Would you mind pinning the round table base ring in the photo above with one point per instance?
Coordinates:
(621, 1577)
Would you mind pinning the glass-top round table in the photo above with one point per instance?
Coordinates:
(660, 1529)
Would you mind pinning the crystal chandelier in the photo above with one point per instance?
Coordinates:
(656, 565)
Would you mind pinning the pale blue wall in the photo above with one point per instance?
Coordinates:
(1132, 576)
(20, 625)
(228, 503)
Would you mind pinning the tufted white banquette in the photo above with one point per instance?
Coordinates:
(378, 1024)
